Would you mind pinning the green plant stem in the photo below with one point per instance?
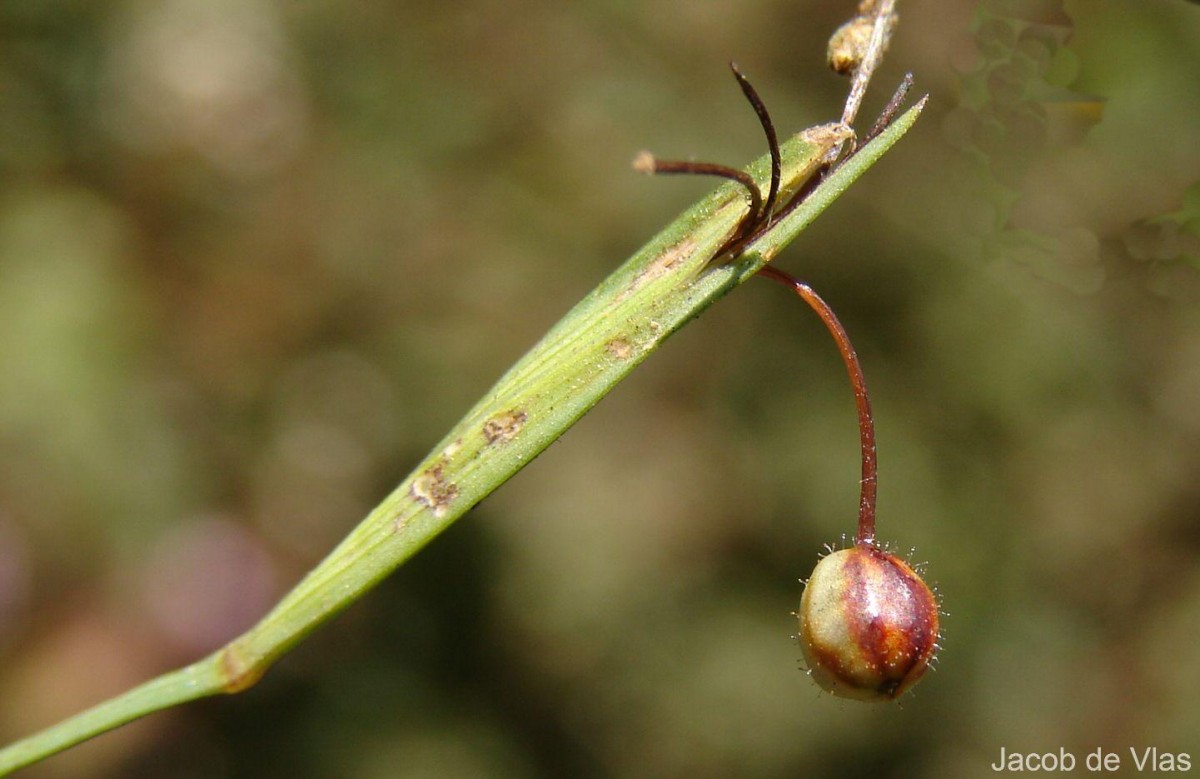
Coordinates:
(668, 282)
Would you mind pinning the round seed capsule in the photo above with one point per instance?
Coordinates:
(868, 624)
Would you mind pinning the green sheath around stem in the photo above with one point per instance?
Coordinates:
(664, 285)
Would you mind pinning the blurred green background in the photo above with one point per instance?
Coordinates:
(257, 257)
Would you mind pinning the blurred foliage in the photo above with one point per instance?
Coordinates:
(256, 257)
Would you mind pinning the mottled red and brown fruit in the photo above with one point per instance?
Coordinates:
(868, 624)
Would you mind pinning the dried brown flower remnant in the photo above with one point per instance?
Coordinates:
(849, 43)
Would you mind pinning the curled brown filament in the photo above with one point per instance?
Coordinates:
(761, 210)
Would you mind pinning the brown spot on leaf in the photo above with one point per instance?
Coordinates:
(452, 449)
(432, 489)
(619, 349)
(661, 265)
(504, 427)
